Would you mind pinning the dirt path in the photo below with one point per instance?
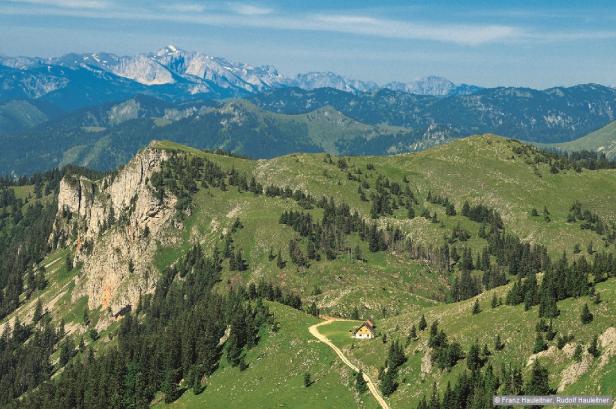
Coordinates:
(314, 330)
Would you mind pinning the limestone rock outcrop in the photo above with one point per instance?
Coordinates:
(115, 225)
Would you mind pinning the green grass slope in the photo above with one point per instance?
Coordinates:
(481, 169)
(383, 282)
(275, 376)
(516, 328)
(485, 169)
(602, 140)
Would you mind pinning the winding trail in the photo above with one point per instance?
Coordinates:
(372, 387)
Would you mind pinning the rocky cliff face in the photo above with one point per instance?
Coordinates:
(112, 224)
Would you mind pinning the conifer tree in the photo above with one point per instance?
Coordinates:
(422, 323)
(498, 344)
(593, 349)
(540, 344)
(586, 316)
(538, 382)
(38, 311)
(388, 382)
(358, 254)
(313, 309)
(412, 333)
(577, 353)
(361, 385)
(473, 358)
(169, 386)
(307, 380)
(476, 307)
(86, 316)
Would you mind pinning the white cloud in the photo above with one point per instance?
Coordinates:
(250, 10)
(70, 4)
(249, 16)
(183, 8)
(451, 33)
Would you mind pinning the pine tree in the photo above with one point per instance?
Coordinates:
(66, 351)
(577, 354)
(410, 212)
(358, 254)
(494, 302)
(422, 323)
(86, 316)
(476, 307)
(530, 291)
(38, 311)
(396, 356)
(593, 349)
(540, 344)
(498, 344)
(538, 381)
(313, 309)
(169, 386)
(586, 316)
(388, 382)
(473, 358)
(412, 334)
(307, 381)
(240, 263)
(68, 262)
(361, 385)
(434, 399)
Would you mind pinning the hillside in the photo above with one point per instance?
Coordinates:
(549, 116)
(182, 244)
(18, 115)
(602, 140)
(107, 136)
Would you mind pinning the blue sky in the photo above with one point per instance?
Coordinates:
(519, 43)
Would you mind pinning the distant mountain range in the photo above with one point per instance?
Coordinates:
(554, 115)
(182, 74)
(106, 136)
(99, 109)
(292, 120)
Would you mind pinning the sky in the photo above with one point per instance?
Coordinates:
(538, 44)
